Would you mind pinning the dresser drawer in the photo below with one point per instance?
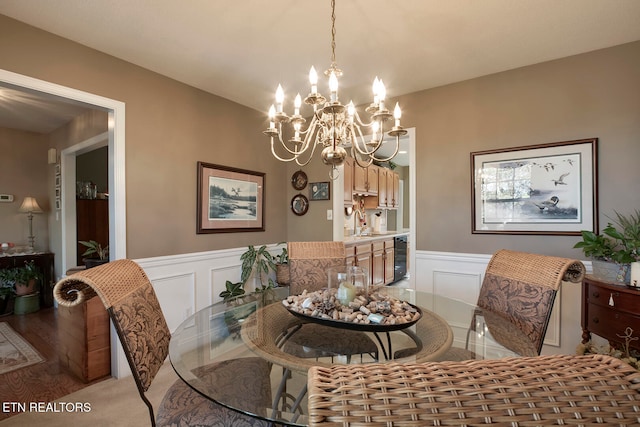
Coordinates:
(609, 296)
(610, 323)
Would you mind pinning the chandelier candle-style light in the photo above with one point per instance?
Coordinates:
(333, 125)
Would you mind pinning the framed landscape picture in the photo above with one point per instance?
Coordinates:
(538, 189)
(229, 199)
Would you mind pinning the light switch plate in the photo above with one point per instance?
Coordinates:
(329, 214)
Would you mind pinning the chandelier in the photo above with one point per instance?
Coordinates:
(333, 125)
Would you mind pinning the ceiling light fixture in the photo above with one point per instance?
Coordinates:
(333, 125)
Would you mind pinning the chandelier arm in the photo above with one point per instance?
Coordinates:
(360, 122)
(386, 159)
(282, 159)
(361, 164)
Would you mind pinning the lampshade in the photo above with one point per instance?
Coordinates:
(30, 205)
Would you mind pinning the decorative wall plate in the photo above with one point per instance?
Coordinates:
(299, 180)
(299, 204)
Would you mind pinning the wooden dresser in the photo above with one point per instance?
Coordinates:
(608, 309)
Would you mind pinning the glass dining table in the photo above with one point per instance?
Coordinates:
(260, 327)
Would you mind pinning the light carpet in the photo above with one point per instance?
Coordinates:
(112, 402)
(15, 352)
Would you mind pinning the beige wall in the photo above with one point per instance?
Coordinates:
(169, 127)
(313, 226)
(584, 96)
(23, 172)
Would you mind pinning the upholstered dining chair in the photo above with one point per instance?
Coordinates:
(133, 307)
(518, 291)
(309, 263)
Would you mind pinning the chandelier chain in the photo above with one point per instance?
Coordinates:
(333, 33)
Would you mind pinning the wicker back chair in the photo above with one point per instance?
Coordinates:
(521, 287)
(309, 262)
(516, 391)
(131, 302)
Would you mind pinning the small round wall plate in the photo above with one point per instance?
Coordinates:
(299, 204)
(299, 180)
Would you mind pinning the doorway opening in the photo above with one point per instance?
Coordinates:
(115, 137)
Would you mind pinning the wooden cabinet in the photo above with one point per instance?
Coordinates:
(377, 263)
(389, 261)
(608, 309)
(383, 195)
(350, 252)
(363, 257)
(365, 180)
(388, 190)
(84, 339)
(348, 181)
(92, 219)
(376, 256)
(395, 192)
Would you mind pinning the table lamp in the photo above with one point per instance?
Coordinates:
(30, 206)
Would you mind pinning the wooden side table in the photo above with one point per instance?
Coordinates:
(608, 309)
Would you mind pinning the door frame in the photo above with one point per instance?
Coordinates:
(117, 188)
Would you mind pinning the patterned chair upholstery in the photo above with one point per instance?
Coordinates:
(131, 302)
(309, 262)
(519, 288)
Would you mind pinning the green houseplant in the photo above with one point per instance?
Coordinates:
(619, 244)
(96, 254)
(255, 263)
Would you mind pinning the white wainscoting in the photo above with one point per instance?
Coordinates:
(186, 283)
(460, 275)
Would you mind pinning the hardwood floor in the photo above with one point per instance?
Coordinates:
(42, 382)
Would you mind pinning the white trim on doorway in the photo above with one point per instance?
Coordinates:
(117, 188)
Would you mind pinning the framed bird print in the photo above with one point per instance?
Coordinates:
(538, 189)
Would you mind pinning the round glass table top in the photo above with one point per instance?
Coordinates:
(251, 355)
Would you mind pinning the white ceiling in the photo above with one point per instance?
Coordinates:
(242, 49)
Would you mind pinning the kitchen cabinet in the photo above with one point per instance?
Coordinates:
(350, 253)
(389, 261)
(365, 180)
(382, 187)
(393, 189)
(363, 257)
(377, 256)
(377, 263)
(388, 191)
(348, 181)
(608, 309)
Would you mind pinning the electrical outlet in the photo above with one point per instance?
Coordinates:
(329, 214)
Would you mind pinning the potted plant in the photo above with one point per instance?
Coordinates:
(27, 278)
(614, 249)
(255, 263)
(282, 266)
(95, 253)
